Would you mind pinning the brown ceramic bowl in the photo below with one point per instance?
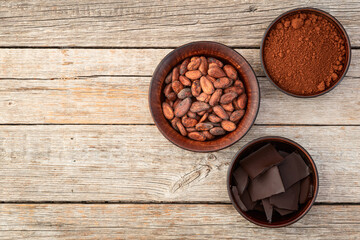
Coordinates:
(223, 53)
(281, 144)
(338, 26)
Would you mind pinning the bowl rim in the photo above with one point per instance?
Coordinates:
(154, 80)
(308, 206)
(310, 9)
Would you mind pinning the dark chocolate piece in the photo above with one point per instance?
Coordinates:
(283, 153)
(237, 198)
(283, 212)
(241, 178)
(268, 209)
(287, 200)
(261, 160)
(267, 184)
(246, 199)
(259, 207)
(293, 169)
(304, 190)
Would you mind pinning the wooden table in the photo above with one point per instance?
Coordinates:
(82, 159)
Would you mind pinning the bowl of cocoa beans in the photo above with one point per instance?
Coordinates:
(204, 96)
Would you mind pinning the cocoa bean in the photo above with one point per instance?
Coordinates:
(214, 119)
(211, 78)
(206, 85)
(239, 83)
(236, 89)
(220, 112)
(168, 89)
(203, 126)
(167, 110)
(174, 121)
(188, 122)
(203, 68)
(208, 135)
(177, 86)
(241, 101)
(181, 128)
(204, 117)
(191, 114)
(192, 129)
(184, 93)
(183, 107)
(175, 74)
(168, 78)
(199, 106)
(201, 113)
(223, 82)
(193, 75)
(171, 96)
(185, 81)
(215, 97)
(216, 72)
(228, 97)
(183, 66)
(237, 115)
(196, 88)
(217, 131)
(176, 103)
(228, 107)
(171, 103)
(194, 63)
(203, 97)
(230, 71)
(214, 60)
(198, 136)
(228, 125)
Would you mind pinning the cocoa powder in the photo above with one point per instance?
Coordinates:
(204, 98)
(304, 53)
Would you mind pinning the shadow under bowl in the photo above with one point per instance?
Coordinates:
(228, 56)
(282, 144)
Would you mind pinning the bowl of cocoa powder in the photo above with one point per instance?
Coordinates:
(272, 181)
(305, 52)
(204, 96)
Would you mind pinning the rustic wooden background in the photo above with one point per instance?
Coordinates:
(81, 157)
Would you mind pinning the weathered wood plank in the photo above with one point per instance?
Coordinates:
(52, 64)
(136, 163)
(149, 221)
(153, 23)
(124, 100)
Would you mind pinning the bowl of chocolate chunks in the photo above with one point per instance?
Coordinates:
(272, 181)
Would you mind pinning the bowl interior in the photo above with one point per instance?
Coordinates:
(287, 146)
(340, 30)
(223, 53)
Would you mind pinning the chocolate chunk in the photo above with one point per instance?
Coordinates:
(283, 153)
(304, 190)
(258, 207)
(287, 200)
(246, 199)
(268, 209)
(237, 198)
(293, 169)
(261, 160)
(267, 184)
(241, 179)
(283, 212)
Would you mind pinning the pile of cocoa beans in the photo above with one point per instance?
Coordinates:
(204, 98)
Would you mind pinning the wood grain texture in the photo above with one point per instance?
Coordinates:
(136, 163)
(124, 100)
(153, 23)
(50, 64)
(149, 221)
